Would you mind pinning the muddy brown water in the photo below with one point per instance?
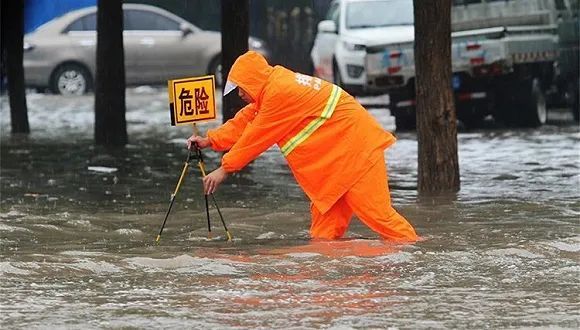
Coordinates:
(78, 227)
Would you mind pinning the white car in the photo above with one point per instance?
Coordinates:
(350, 26)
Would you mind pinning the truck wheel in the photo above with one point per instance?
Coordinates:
(70, 79)
(531, 101)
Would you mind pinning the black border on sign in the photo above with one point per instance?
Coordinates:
(172, 110)
(212, 78)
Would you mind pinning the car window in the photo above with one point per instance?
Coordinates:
(333, 13)
(145, 20)
(85, 23)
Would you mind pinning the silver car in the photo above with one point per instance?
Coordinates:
(60, 55)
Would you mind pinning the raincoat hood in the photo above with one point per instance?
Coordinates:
(250, 72)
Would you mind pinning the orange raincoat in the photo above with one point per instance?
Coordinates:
(329, 140)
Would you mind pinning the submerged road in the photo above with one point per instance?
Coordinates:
(78, 225)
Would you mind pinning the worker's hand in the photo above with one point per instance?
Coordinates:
(213, 180)
(197, 141)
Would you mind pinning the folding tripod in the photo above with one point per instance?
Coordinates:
(195, 155)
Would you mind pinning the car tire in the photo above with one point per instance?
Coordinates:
(71, 79)
(215, 68)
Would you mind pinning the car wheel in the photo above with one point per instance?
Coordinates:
(215, 68)
(71, 79)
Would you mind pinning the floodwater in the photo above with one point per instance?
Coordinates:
(78, 227)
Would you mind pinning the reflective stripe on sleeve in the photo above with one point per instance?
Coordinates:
(314, 124)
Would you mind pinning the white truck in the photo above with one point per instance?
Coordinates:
(506, 59)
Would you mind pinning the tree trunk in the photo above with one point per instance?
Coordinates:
(12, 34)
(235, 32)
(110, 123)
(438, 169)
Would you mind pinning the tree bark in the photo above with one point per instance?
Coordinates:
(235, 31)
(438, 168)
(12, 35)
(110, 123)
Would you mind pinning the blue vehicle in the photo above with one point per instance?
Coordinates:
(38, 12)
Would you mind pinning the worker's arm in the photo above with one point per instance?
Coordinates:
(268, 127)
(225, 136)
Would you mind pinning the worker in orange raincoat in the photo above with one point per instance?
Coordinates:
(333, 146)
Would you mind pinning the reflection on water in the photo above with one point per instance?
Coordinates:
(78, 224)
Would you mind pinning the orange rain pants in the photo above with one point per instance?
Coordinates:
(370, 200)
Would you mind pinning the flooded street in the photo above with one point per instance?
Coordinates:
(78, 225)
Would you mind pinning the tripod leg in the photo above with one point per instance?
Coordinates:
(221, 217)
(208, 222)
(172, 200)
(202, 169)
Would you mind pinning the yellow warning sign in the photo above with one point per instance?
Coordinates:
(191, 99)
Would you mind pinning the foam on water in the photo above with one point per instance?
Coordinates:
(8, 228)
(51, 227)
(99, 267)
(11, 214)
(82, 253)
(564, 246)
(515, 252)
(129, 231)
(187, 264)
(303, 255)
(7, 268)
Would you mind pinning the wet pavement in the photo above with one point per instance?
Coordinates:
(78, 226)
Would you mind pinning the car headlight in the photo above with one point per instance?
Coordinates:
(353, 46)
(27, 46)
(255, 43)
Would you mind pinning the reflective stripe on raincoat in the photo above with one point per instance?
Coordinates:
(326, 151)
